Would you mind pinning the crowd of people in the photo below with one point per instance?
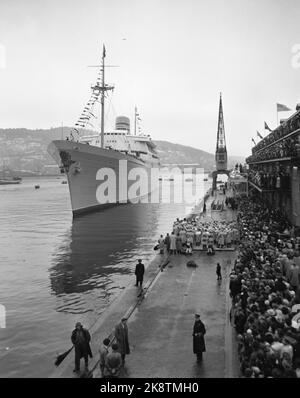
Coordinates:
(280, 132)
(264, 286)
(231, 202)
(281, 149)
(194, 234)
(269, 180)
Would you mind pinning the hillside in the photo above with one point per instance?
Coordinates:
(176, 153)
(26, 150)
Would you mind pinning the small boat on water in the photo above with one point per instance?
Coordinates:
(5, 181)
(7, 177)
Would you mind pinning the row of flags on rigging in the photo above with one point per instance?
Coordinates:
(280, 108)
(87, 113)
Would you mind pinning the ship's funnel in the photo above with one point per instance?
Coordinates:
(123, 123)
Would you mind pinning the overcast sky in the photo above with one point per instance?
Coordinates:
(175, 56)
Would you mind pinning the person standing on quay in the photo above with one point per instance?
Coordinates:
(178, 244)
(121, 335)
(161, 244)
(113, 363)
(139, 273)
(172, 243)
(103, 351)
(218, 271)
(167, 242)
(81, 340)
(198, 338)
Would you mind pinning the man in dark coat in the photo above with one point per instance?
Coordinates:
(139, 273)
(168, 242)
(218, 271)
(121, 335)
(234, 286)
(81, 340)
(198, 338)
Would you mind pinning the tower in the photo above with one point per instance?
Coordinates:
(221, 151)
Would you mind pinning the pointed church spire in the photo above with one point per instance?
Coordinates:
(221, 143)
(221, 152)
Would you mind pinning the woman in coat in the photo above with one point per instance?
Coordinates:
(204, 240)
(182, 234)
(172, 244)
(178, 244)
(221, 239)
(161, 244)
(198, 338)
(168, 242)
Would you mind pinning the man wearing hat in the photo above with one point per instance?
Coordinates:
(121, 335)
(81, 340)
(139, 273)
(198, 338)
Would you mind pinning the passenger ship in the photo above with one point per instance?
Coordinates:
(82, 158)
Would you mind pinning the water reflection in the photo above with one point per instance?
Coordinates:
(98, 254)
(102, 247)
(56, 271)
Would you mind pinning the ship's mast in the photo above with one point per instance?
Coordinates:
(103, 97)
(135, 115)
(102, 89)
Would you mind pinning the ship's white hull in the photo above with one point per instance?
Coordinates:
(81, 164)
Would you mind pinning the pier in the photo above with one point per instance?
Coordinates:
(160, 321)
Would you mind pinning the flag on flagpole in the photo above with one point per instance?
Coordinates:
(267, 127)
(259, 135)
(104, 51)
(282, 108)
(253, 141)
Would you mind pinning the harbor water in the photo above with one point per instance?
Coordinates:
(56, 271)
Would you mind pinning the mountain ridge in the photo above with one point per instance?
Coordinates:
(26, 149)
